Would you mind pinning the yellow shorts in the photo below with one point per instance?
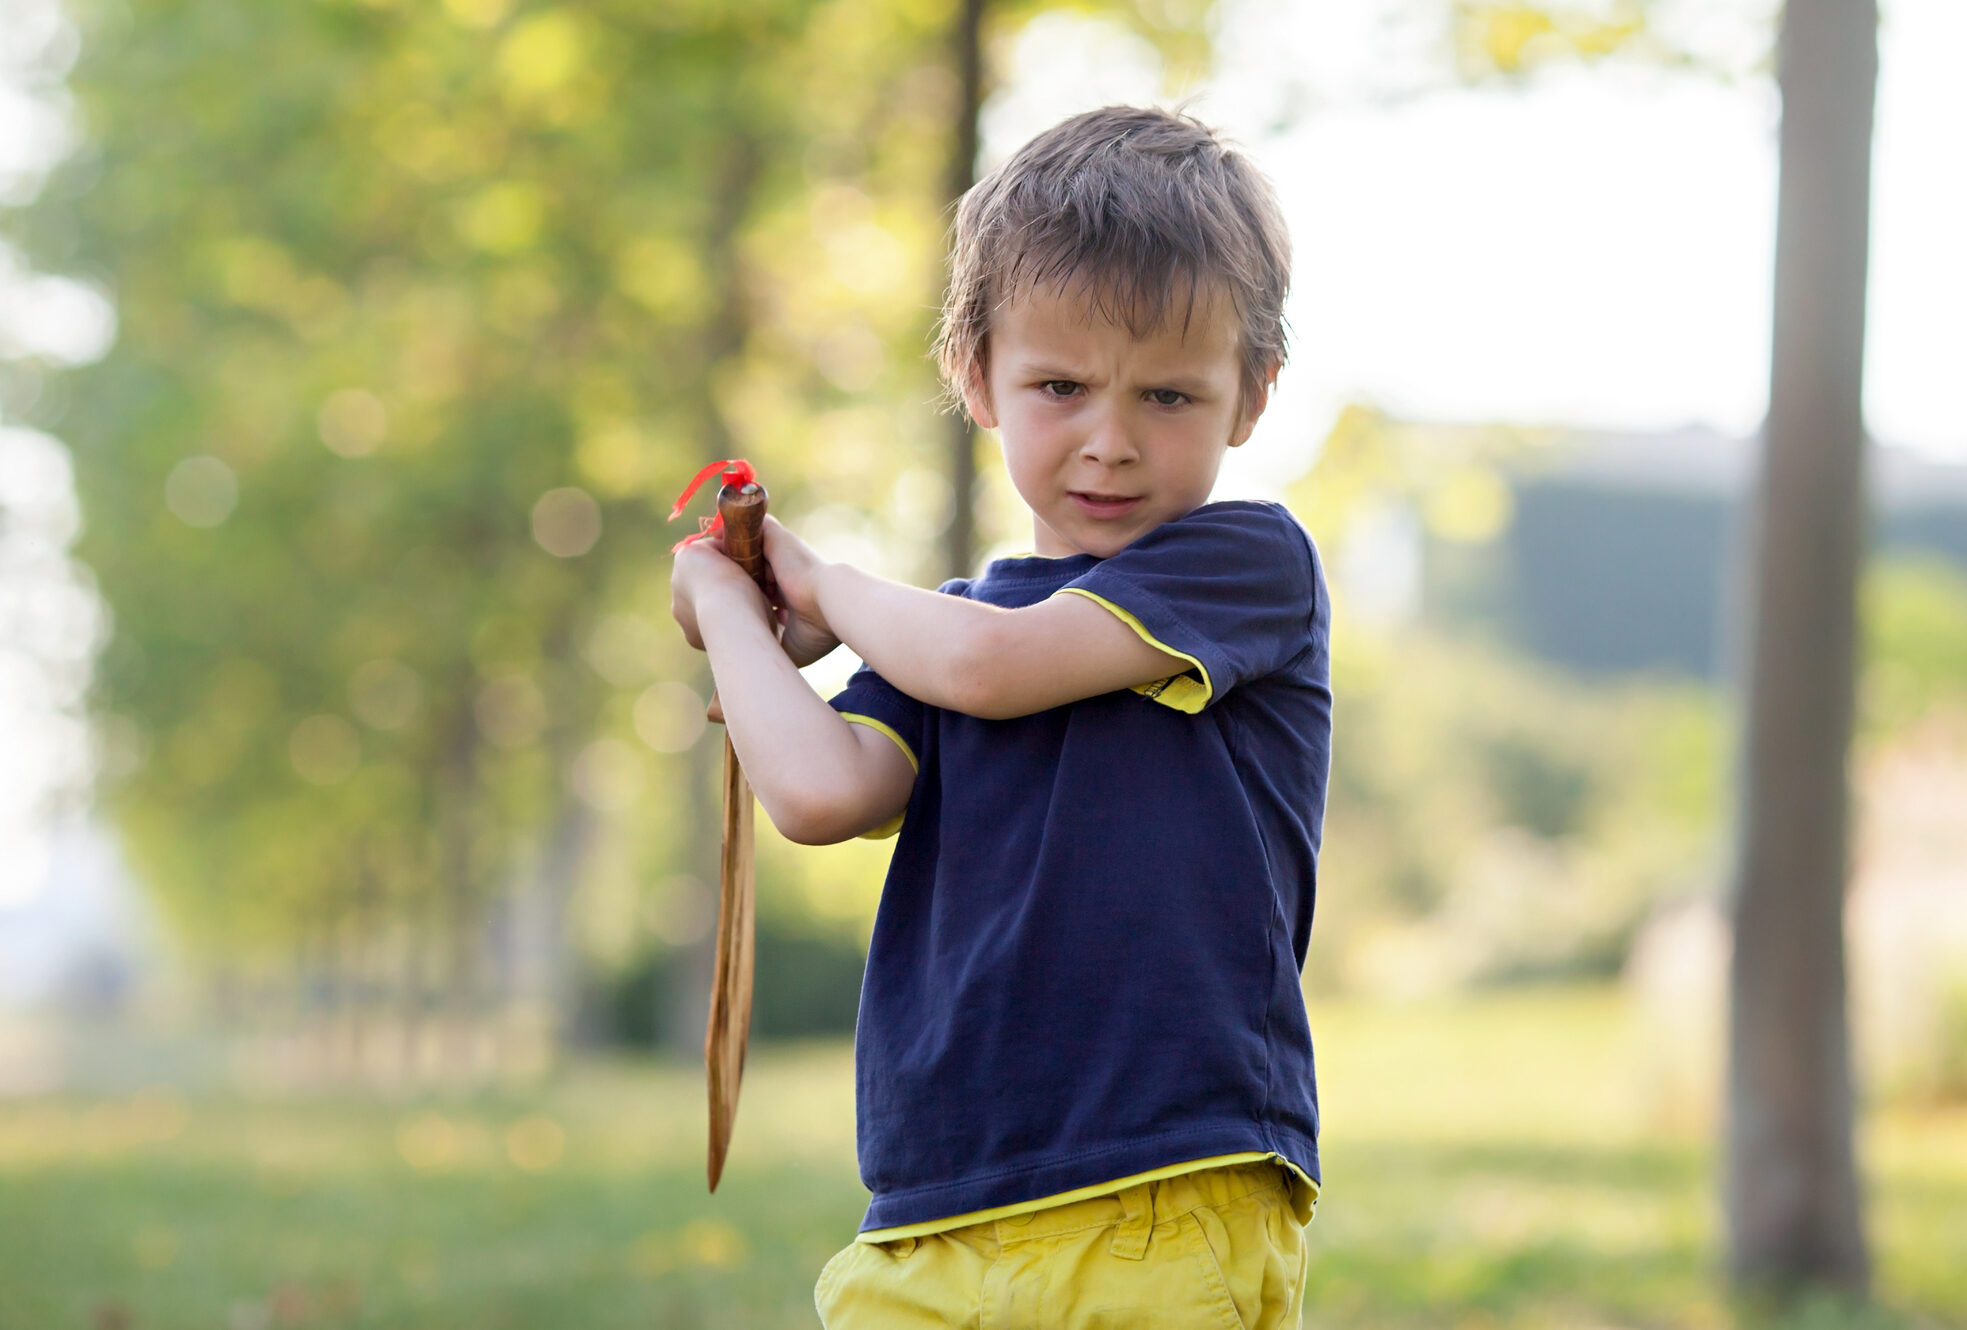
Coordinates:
(1221, 1247)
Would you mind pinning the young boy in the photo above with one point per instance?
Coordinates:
(1083, 1069)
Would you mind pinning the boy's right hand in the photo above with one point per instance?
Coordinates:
(793, 587)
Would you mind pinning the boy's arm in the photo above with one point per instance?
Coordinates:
(984, 660)
(820, 778)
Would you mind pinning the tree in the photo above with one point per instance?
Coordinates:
(960, 539)
(1792, 1191)
(426, 313)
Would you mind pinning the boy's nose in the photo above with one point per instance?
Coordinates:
(1109, 443)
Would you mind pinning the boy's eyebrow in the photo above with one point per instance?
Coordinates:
(1181, 383)
(1049, 369)
(1194, 385)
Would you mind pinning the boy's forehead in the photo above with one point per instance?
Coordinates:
(1191, 323)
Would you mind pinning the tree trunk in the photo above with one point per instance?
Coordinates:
(543, 966)
(1792, 1192)
(541, 994)
(960, 538)
(460, 897)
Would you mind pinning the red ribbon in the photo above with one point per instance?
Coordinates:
(737, 471)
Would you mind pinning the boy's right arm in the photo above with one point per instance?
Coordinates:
(820, 778)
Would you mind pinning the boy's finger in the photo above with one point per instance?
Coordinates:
(778, 536)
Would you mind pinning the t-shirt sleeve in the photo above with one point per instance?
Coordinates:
(1231, 588)
(870, 700)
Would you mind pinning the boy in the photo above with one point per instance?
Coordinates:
(1083, 1071)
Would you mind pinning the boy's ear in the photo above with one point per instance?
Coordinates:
(1253, 405)
(976, 398)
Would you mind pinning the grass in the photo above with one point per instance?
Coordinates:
(1489, 1163)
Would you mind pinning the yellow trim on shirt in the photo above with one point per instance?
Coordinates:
(1177, 690)
(900, 742)
(893, 824)
(929, 1226)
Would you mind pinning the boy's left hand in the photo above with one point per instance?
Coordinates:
(794, 581)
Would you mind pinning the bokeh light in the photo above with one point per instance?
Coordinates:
(201, 491)
(385, 694)
(325, 750)
(511, 711)
(669, 716)
(566, 522)
(609, 775)
(352, 422)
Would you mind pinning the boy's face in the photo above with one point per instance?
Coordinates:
(1107, 435)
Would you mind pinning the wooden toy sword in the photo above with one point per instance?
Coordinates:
(741, 518)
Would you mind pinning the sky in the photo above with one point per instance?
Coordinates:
(1591, 249)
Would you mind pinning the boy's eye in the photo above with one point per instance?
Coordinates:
(1060, 387)
(1166, 397)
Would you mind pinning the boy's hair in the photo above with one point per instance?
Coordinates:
(1142, 210)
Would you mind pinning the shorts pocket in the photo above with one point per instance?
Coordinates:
(829, 1278)
(1209, 1256)
(1259, 1250)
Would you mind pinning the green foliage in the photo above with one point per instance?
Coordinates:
(809, 984)
(1493, 818)
(427, 311)
(1489, 818)
(1914, 614)
(1537, 788)
(1511, 40)
(1453, 476)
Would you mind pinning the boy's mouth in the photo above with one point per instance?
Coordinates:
(1103, 505)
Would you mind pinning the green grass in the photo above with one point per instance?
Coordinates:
(1489, 1163)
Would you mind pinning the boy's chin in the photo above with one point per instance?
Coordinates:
(1100, 546)
(1080, 532)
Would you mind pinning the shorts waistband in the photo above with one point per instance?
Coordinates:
(1134, 1210)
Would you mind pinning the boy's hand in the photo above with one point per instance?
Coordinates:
(794, 583)
(700, 573)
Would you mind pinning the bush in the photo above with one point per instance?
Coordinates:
(808, 985)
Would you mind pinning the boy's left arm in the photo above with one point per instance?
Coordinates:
(963, 655)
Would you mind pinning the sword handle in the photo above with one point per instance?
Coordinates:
(743, 509)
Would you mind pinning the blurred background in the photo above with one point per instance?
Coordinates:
(358, 818)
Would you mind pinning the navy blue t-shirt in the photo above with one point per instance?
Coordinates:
(1086, 961)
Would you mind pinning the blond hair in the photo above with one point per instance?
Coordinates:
(1140, 210)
